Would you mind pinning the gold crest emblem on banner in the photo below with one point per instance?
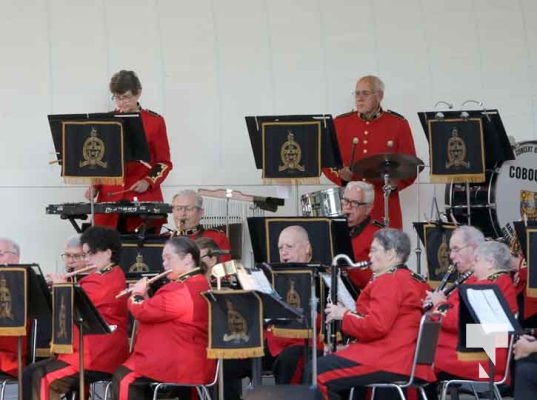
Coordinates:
(456, 151)
(293, 297)
(236, 324)
(62, 320)
(528, 204)
(291, 154)
(139, 265)
(442, 257)
(6, 305)
(93, 151)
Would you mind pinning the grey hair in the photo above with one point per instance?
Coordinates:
(375, 81)
(394, 239)
(496, 253)
(13, 246)
(470, 235)
(190, 193)
(367, 189)
(73, 241)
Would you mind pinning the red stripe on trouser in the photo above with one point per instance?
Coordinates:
(47, 380)
(124, 384)
(299, 369)
(323, 380)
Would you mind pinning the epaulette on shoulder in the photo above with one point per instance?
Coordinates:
(347, 114)
(496, 275)
(395, 114)
(417, 277)
(106, 269)
(153, 113)
(215, 230)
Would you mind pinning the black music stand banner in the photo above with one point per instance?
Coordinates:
(235, 324)
(62, 318)
(294, 287)
(436, 242)
(93, 150)
(456, 150)
(293, 148)
(531, 260)
(140, 257)
(13, 306)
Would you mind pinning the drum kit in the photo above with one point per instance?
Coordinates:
(381, 168)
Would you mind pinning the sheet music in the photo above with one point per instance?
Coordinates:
(343, 295)
(254, 280)
(489, 311)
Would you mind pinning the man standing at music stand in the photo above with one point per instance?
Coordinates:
(142, 179)
(367, 131)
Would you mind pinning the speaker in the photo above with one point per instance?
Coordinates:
(282, 392)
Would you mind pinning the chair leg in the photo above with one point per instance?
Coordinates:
(351, 393)
(3, 390)
(401, 393)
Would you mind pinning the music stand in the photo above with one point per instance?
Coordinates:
(294, 147)
(141, 255)
(37, 305)
(435, 237)
(94, 147)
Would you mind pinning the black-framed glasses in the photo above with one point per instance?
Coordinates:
(67, 256)
(185, 208)
(365, 93)
(458, 249)
(352, 203)
(122, 97)
(3, 253)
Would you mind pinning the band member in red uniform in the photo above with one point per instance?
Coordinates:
(171, 343)
(385, 323)
(187, 213)
(370, 130)
(10, 254)
(142, 179)
(492, 266)
(102, 353)
(356, 205)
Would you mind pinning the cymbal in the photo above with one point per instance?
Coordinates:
(397, 166)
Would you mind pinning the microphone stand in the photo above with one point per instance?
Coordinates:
(387, 188)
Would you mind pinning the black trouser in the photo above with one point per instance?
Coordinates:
(63, 378)
(525, 379)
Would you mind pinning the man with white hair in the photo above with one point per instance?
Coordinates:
(294, 245)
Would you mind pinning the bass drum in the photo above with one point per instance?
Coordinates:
(324, 203)
(509, 192)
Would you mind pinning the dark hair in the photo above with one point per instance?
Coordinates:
(395, 239)
(123, 81)
(209, 244)
(101, 238)
(183, 245)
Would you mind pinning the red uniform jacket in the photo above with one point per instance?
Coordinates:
(529, 304)
(218, 236)
(104, 352)
(153, 172)
(386, 324)
(8, 354)
(361, 242)
(446, 352)
(373, 137)
(171, 343)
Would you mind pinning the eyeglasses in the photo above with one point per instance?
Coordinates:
(3, 253)
(458, 249)
(365, 93)
(122, 97)
(66, 256)
(352, 203)
(185, 208)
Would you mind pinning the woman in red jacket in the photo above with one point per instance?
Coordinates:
(385, 324)
(102, 353)
(171, 343)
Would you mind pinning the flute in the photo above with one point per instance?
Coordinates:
(149, 281)
(73, 273)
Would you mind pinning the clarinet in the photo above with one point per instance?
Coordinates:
(445, 278)
(447, 291)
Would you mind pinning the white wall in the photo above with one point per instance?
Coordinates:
(205, 64)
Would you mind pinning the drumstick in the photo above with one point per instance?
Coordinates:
(110, 194)
(354, 143)
(149, 281)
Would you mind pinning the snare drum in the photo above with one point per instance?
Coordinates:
(508, 192)
(324, 203)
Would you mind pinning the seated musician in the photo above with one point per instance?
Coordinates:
(187, 213)
(102, 353)
(10, 254)
(525, 354)
(142, 179)
(171, 343)
(385, 324)
(492, 265)
(287, 354)
(72, 255)
(356, 205)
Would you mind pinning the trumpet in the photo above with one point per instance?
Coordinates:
(149, 281)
